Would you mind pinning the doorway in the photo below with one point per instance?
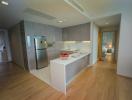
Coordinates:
(108, 48)
(3, 49)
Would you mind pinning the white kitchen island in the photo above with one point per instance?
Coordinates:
(64, 71)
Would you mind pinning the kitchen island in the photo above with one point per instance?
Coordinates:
(64, 71)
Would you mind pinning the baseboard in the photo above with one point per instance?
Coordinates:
(91, 65)
(125, 76)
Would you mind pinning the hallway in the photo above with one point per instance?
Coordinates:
(99, 82)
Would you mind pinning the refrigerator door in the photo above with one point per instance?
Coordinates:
(42, 59)
(40, 43)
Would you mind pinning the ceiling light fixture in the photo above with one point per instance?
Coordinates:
(60, 21)
(4, 3)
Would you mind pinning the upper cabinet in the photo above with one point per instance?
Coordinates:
(76, 33)
(52, 33)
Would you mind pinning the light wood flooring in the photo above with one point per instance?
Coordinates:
(99, 82)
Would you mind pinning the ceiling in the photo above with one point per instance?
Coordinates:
(11, 14)
(113, 20)
(71, 12)
(59, 9)
(100, 8)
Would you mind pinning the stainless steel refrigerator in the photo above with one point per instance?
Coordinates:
(41, 52)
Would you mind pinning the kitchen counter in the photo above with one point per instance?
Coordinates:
(71, 58)
(64, 71)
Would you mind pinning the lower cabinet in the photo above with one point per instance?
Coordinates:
(74, 68)
(63, 72)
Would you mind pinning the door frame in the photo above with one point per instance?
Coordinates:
(7, 44)
(100, 35)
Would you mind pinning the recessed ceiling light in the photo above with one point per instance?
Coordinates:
(60, 21)
(4, 3)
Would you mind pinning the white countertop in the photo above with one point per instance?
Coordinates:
(71, 59)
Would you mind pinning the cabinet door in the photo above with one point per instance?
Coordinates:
(74, 68)
(85, 61)
(65, 36)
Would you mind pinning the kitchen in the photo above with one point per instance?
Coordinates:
(52, 50)
(56, 50)
(60, 44)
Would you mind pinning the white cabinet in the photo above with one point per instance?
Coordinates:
(64, 71)
(75, 67)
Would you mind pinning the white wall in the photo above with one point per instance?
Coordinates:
(94, 40)
(124, 65)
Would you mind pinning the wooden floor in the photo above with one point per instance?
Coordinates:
(99, 82)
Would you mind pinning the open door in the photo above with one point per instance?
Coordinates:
(108, 46)
(3, 49)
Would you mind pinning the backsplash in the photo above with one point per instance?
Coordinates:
(83, 46)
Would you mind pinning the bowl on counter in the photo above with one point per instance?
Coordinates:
(64, 55)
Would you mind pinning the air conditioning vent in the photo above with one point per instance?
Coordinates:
(38, 13)
(76, 5)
